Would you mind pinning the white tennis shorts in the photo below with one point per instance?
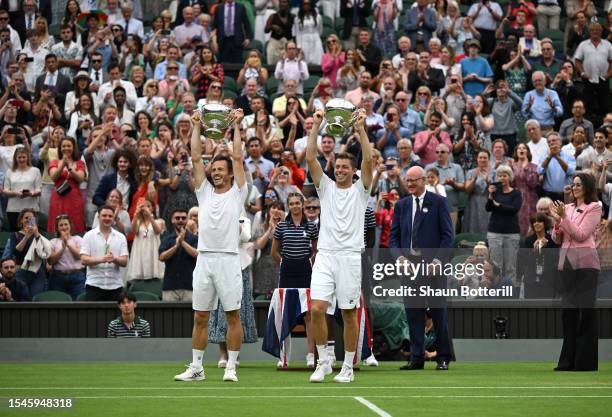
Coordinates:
(339, 274)
(217, 276)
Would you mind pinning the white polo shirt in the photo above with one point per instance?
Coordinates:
(107, 275)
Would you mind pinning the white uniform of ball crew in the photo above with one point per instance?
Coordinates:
(217, 274)
(337, 267)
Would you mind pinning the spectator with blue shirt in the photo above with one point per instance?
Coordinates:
(387, 138)
(556, 169)
(542, 104)
(408, 118)
(173, 54)
(475, 70)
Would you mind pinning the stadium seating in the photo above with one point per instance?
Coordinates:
(81, 297)
(4, 237)
(145, 296)
(468, 237)
(229, 83)
(52, 296)
(153, 286)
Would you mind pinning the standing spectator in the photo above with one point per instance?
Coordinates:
(347, 76)
(21, 242)
(503, 106)
(594, 157)
(385, 12)
(144, 264)
(354, 96)
(369, 53)
(515, 72)
(538, 146)
(573, 7)
(548, 14)
(451, 176)
(121, 220)
(22, 187)
(68, 52)
(462, 33)
(279, 26)
(577, 144)
(574, 231)
(255, 71)
(52, 77)
(448, 22)
(426, 75)
(233, 31)
(173, 53)
(265, 269)
(185, 32)
(103, 251)
(205, 72)
(291, 67)
(503, 233)
(557, 168)
(542, 104)
(355, 13)
(146, 186)
(178, 252)
(420, 24)
(537, 267)
(426, 142)
(594, 64)
(67, 174)
(67, 271)
(333, 60)
(567, 126)
(384, 214)
(257, 165)
(181, 195)
(307, 29)
(124, 164)
(547, 63)
(128, 324)
(577, 34)
(475, 217)
(475, 70)
(487, 15)
(388, 138)
(470, 142)
(526, 182)
(499, 150)
(527, 7)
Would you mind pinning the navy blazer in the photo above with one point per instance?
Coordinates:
(435, 233)
(242, 29)
(107, 183)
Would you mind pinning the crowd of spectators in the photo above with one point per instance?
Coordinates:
(500, 103)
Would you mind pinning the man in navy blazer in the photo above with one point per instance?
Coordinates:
(231, 44)
(124, 163)
(422, 224)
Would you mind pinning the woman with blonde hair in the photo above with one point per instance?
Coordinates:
(421, 101)
(333, 59)
(348, 75)
(144, 264)
(42, 30)
(253, 68)
(22, 186)
(150, 97)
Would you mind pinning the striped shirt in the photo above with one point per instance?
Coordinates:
(295, 240)
(370, 223)
(117, 328)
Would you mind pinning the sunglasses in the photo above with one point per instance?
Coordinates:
(440, 152)
(331, 41)
(180, 218)
(96, 61)
(313, 207)
(283, 173)
(400, 99)
(423, 94)
(215, 87)
(173, 68)
(4, 18)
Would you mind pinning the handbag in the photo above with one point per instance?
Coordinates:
(64, 188)
(603, 243)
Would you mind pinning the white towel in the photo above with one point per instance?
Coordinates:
(40, 249)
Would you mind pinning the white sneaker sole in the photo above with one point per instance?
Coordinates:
(343, 380)
(197, 378)
(318, 380)
(230, 378)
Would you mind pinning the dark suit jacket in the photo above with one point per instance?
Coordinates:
(107, 184)
(62, 85)
(363, 11)
(16, 18)
(242, 102)
(435, 82)
(242, 29)
(435, 228)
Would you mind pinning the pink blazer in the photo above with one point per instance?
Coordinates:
(576, 236)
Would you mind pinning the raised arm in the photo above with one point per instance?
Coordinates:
(196, 151)
(239, 175)
(311, 149)
(366, 150)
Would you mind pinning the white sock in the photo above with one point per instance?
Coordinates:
(232, 357)
(348, 359)
(198, 355)
(322, 351)
(331, 347)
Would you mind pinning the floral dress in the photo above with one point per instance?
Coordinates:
(526, 181)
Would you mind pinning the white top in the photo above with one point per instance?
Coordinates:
(6, 156)
(342, 215)
(107, 275)
(595, 60)
(438, 189)
(219, 216)
(539, 151)
(18, 180)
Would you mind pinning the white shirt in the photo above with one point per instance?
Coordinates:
(342, 215)
(107, 275)
(123, 185)
(539, 151)
(414, 204)
(595, 60)
(219, 216)
(108, 87)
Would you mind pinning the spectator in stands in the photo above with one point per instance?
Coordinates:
(17, 90)
(594, 157)
(391, 180)
(265, 269)
(526, 181)
(48, 152)
(476, 218)
(514, 27)
(66, 269)
(307, 29)
(529, 43)
(354, 96)
(11, 289)
(469, 142)
(426, 75)
(124, 164)
(557, 168)
(348, 76)
(143, 264)
(173, 54)
(539, 259)
(369, 53)
(515, 72)
(451, 175)
(475, 70)
(233, 31)
(568, 125)
(542, 104)
(574, 231)
(569, 86)
(577, 143)
(404, 46)
(420, 24)
(184, 33)
(82, 84)
(292, 67)
(205, 72)
(385, 12)
(67, 174)
(504, 203)
(53, 78)
(462, 33)
(147, 181)
(493, 277)
(573, 7)
(547, 63)
(279, 26)
(499, 150)
(406, 158)
(22, 187)
(388, 138)
(21, 245)
(257, 165)
(333, 60)
(448, 22)
(426, 142)
(105, 93)
(82, 120)
(68, 52)
(538, 145)
(486, 15)
(577, 33)
(548, 14)
(593, 60)
(526, 7)
(103, 251)
(322, 93)
(121, 220)
(128, 324)
(355, 14)
(253, 70)
(503, 105)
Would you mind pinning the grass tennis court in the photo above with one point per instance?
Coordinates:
(468, 389)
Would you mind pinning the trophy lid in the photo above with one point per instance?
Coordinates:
(338, 103)
(215, 108)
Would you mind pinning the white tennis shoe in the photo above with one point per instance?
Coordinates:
(345, 376)
(192, 373)
(323, 369)
(230, 375)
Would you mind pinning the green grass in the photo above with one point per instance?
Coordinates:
(468, 389)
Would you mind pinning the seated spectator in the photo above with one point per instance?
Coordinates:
(22, 187)
(66, 269)
(426, 142)
(388, 178)
(451, 176)
(374, 121)
(421, 99)
(11, 289)
(128, 324)
(292, 67)
(493, 277)
(542, 104)
(420, 23)
(475, 70)
(567, 126)
(475, 217)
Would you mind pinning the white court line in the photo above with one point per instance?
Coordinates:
(373, 407)
(309, 387)
(129, 397)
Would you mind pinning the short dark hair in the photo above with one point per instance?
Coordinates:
(49, 56)
(601, 130)
(349, 156)
(112, 66)
(437, 114)
(227, 159)
(254, 138)
(8, 258)
(118, 89)
(178, 210)
(126, 296)
(105, 207)
(66, 26)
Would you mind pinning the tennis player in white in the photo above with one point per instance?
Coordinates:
(217, 275)
(337, 267)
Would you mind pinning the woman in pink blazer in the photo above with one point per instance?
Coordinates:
(574, 232)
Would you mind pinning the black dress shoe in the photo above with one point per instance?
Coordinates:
(413, 366)
(442, 366)
(563, 369)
